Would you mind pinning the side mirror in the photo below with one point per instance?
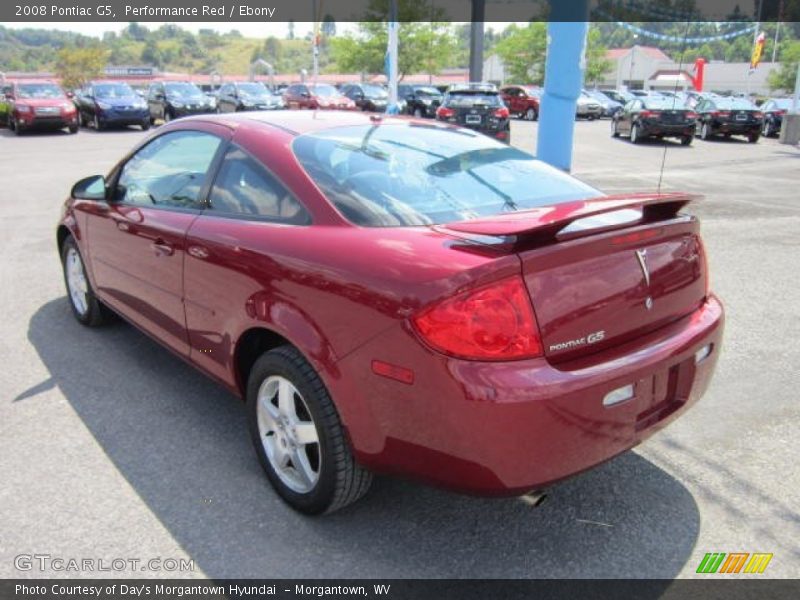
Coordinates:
(90, 188)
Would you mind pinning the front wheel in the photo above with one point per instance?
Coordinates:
(298, 435)
(85, 305)
(705, 132)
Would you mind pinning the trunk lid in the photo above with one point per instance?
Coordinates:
(597, 287)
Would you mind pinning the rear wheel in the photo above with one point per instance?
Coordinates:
(85, 306)
(298, 435)
(766, 131)
(635, 139)
(145, 125)
(530, 114)
(686, 140)
(753, 137)
(73, 128)
(614, 128)
(705, 132)
(418, 113)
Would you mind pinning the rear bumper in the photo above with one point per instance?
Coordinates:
(737, 128)
(506, 428)
(666, 130)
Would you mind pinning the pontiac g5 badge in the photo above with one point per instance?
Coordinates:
(641, 256)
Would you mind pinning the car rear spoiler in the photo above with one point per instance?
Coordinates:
(546, 222)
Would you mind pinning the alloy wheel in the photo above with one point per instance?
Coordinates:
(530, 114)
(76, 282)
(288, 434)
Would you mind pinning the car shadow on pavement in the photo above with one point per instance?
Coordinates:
(181, 442)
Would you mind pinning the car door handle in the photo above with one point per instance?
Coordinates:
(162, 248)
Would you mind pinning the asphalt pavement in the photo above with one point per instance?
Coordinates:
(111, 448)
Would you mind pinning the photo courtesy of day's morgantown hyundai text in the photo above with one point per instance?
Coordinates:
(399, 295)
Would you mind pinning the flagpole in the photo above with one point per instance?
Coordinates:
(755, 41)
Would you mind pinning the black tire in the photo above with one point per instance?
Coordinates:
(168, 116)
(767, 129)
(73, 128)
(753, 137)
(705, 132)
(418, 113)
(18, 130)
(95, 314)
(686, 140)
(614, 128)
(530, 114)
(97, 124)
(145, 125)
(341, 480)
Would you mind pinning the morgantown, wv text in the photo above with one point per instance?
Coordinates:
(148, 590)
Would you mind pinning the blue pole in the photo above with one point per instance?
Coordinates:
(563, 80)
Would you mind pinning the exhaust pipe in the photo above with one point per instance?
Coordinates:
(534, 498)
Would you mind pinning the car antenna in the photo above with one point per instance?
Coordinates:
(674, 100)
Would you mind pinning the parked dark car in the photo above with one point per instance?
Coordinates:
(773, 110)
(172, 99)
(478, 106)
(239, 96)
(295, 261)
(104, 104)
(367, 96)
(522, 101)
(421, 100)
(316, 96)
(654, 116)
(39, 105)
(725, 115)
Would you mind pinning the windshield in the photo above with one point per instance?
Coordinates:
(39, 90)
(739, 103)
(323, 89)
(253, 89)
(183, 90)
(374, 91)
(405, 174)
(113, 90)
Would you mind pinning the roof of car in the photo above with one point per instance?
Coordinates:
(298, 122)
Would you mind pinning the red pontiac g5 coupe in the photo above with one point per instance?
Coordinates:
(399, 296)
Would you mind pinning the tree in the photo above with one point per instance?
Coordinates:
(77, 66)
(151, 54)
(523, 50)
(784, 78)
(597, 65)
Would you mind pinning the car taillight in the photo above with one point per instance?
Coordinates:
(646, 114)
(758, 115)
(494, 322)
(691, 115)
(723, 114)
(444, 113)
(502, 113)
(780, 113)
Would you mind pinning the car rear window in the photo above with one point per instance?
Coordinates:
(740, 103)
(392, 175)
(466, 99)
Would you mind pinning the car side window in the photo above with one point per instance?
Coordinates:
(169, 171)
(244, 187)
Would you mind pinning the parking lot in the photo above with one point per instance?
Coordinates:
(111, 447)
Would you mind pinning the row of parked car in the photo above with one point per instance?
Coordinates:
(481, 106)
